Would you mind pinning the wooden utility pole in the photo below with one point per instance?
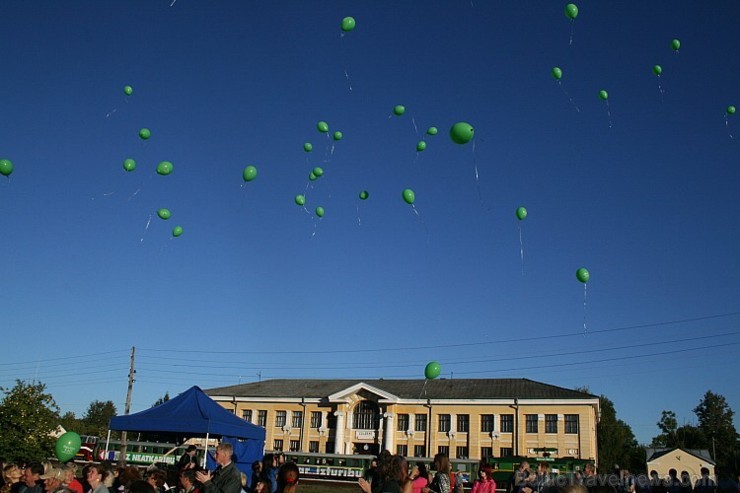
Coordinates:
(131, 372)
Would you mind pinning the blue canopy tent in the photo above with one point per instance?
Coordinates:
(194, 414)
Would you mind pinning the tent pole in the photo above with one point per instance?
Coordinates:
(205, 456)
(107, 441)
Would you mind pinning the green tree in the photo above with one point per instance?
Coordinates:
(668, 425)
(27, 416)
(96, 418)
(70, 422)
(162, 399)
(616, 441)
(715, 422)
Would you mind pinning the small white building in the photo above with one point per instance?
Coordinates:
(683, 461)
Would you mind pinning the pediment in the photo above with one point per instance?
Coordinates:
(363, 390)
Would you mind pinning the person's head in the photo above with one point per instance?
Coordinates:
(397, 469)
(287, 477)
(543, 468)
(191, 450)
(485, 472)
(419, 470)
(96, 474)
(156, 478)
(573, 488)
(32, 473)
(12, 473)
(129, 475)
(524, 465)
(442, 463)
(53, 478)
(263, 486)
(187, 478)
(223, 453)
(139, 486)
(590, 469)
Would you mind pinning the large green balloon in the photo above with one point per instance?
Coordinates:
(399, 110)
(323, 127)
(364, 195)
(338, 135)
(676, 44)
(571, 11)
(164, 214)
(249, 173)
(128, 90)
(312, 176)
(521, 213)
(164, 168)
(6, 167)
(432, 370)
(320, 211)
(67, 446)
(307, 147)
(557, 72)
(176, 231)
(730, 111)
(582, 275)
(348, 24)
(318, 171)
(300, 200)
(657, 70)
(462, 132)
(145, 133)
(432, 131)
(129, 164)
(420, 146)
(604, 95)
(408, 196)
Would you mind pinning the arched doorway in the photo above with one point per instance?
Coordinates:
(365, 425)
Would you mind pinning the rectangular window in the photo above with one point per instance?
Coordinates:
(443, 449)
(280, 418)
(262, 417)
(420, 422)
(462, 452)
(403, 423)
(420, 450)
(277, 445)
(486, 452)
(486, 423)
(506, 452)
(507, 423)
(313, 447)
(463, 423)
(402, 450)
(330, 447)
(247, 415)
(297, 419)
(531, 421)
(444, 422)
(295, 446)
(315, 419)
(571, 423)
(551, 423)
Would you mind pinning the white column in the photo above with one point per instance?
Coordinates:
(453, 423)
(389, 432)
(412, 422)
(339, 436)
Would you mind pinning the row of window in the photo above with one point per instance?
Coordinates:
(368, 421)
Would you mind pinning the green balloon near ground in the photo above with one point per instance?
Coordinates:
(432, 131)
(603, 95)
(462, 133)
(676, 44)
(128, 90)
(67, 446)
(249, 173)
(320, 211)
(338, 135)
(307, 147)
(408, 196)
(144, 133)
(557, 72)
(399, 110)
(348, 24)
(571, 11)
(129, 164)
(583, 275)
(364, 195)
(730, 111)
(164, 168)
(432, 370)
(164, 214)
(521, 213)
(657, 70)
(318, 171)
(322, 127)
(312, 176)
(420, 146)
(300, 200)
(176, 231)
(6, 167)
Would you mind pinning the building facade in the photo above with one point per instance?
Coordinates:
(465, 418)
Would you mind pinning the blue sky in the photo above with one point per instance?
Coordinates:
(257, 287)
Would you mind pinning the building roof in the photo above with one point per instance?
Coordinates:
(656, 453)
(467, 389)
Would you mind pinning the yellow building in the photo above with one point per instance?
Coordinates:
(465, 418)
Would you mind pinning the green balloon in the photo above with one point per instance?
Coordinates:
(300, 200)
(582, 275)
(364, 195)
(420, 146)
(432, 370)
(603, 95)
(323, 127)
(67, 446)
(129, 164)
(571, 11)
(676, 44)
(307, 147)
(128, 90)
(318, 171)
(432, 131)
(557, 72)
(462, 132)
(144, 133)
(657, 70)
(6, 167)
(164, 214)
(409, 196)
(338, 135)
(730, 111)
(320, 211)
(176, 231)
(521, 213)
(312, 176)
(348, 24)
(164, 168)
(399, 110)
(249, 173)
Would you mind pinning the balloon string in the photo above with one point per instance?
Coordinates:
(359, 222)
(416, 129)
(421, 220)
(660, 90)
(423, 389)
(568, 96)
(521, 249)
(111, 112)
(585, 290)
(477, 176)
(173, 3)
(344, 64)
(145, 229)
(572, 30)
(609, 113)
(727, 126)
